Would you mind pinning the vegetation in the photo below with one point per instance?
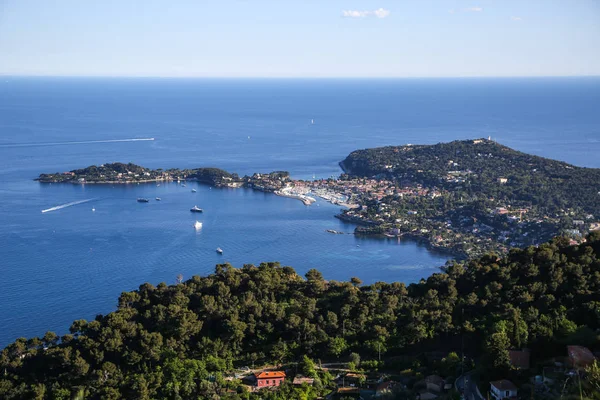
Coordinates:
(474, 196)
(180, 341)
(474, 168)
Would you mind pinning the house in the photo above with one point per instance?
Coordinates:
(502, 181)
(299, 380)
(430, 387)
(519, 358)
(352, 378)
(269, 378)
(578, 222)
(346, 393)
(503, 389)
(579, 356)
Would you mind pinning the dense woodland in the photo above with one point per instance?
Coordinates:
(531, 180)
(179, 341)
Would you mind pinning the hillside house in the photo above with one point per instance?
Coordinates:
(269, 378)
(503, 389)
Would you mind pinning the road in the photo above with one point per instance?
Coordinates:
(468, 386)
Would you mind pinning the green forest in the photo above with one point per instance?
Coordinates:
(181, 341)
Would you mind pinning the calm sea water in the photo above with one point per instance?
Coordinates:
(73, 262)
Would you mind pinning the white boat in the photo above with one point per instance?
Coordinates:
(198, 225)
(93, 209)
(312, 121)
(157, 199)
(196, 209)
(219, 250)
(193, 190)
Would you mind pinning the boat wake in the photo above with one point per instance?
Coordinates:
(77, 142)
(74, 203)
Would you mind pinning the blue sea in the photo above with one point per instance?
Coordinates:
(73, 262)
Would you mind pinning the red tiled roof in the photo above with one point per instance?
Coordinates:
(270, 374)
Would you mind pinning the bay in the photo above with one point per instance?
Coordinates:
(74, 262)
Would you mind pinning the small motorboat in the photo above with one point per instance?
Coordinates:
(93, 208)
(193, 190)
(198, 225)
(196, 209)
(142, 200)
(219, 250)
(157, 199)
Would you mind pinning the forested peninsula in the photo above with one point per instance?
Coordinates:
(188, 340)
(472, 196)
(465, 197)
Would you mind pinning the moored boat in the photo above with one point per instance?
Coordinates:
(196, 209)
(219, 250)
(142, 200)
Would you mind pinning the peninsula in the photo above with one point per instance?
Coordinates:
(467, 197)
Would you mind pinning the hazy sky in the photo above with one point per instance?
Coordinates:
(308, 38)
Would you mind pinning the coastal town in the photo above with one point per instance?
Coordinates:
(437, 211)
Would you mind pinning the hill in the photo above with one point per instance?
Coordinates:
(485, 168)
(181, 341)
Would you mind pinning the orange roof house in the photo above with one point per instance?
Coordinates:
(269, 378)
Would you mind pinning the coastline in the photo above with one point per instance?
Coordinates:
(306, 200)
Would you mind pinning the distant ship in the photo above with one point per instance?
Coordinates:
(142, 200)
(193, 190)
(198, 225)
(219, 250)
(196, 209)
(157, 199)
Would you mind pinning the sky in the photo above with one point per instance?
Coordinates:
(300, 38)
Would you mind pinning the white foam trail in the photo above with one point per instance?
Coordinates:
(67, 205)
(78, 142)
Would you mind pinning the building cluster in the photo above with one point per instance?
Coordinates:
(549, 379)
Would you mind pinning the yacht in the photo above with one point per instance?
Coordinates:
(196, 209)
(198, 225)
(142, 200)
(219, 250)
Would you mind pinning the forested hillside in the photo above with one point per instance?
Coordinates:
(477, 168)
(177, 342)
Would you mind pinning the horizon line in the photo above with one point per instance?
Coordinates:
(4, 76)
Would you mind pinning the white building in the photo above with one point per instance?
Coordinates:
(503, 389)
